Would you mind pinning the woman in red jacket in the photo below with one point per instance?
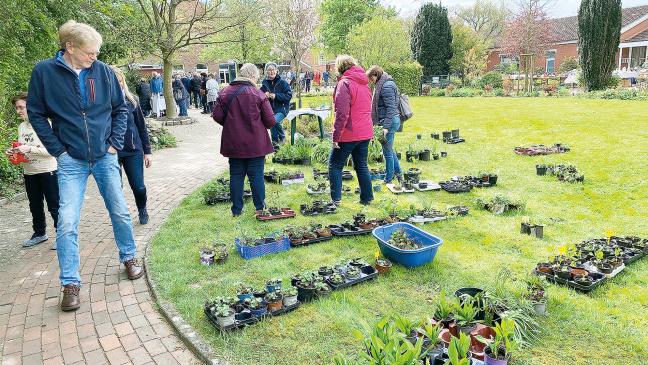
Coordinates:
(353, 129)
(246, 115)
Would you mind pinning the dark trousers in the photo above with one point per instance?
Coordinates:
(203, 100)
(134, 168)
(253, 169)
(195, 98)
(41, 186)
(337, 160)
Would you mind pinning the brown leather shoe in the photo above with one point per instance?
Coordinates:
(134, 269)
(70, 300)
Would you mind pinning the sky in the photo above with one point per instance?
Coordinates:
(559, 9)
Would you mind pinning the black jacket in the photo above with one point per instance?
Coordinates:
(143, 90)
(136, 138)
(195, 83)
(282, 91)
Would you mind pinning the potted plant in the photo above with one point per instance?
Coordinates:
(325, 271)
(541, 169)
(243, 292)
(224, 315)
(383, 265)
(498, 350)
(465, 315)
(411, 154)
(445, 309)
(221, 253)
(257, 306)
(290, 296)
(525, 226)
(536, 293)
(353, 272)
(458, 350)
(337, 279)
(273, 285)
(424, 155)
(305, 287)
(274, 300)
(322, 289)
(207, 256)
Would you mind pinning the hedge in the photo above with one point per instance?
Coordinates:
(407, 76)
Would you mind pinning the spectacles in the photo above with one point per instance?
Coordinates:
(95, 54)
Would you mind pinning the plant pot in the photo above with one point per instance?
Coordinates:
(525, 228)
(275, 306)
(207, 257)
(399, 155)
(545, 268)
(288, 301)
(260, 311)
(540, 308)
(383, 266)
(605, 268)
(435, 156)
(447, 135)
(444, 154)
(538, 230)
(563, 274)
(377, 188)
(325, 271)
(467, 329)
(492, 180)
(273, 287)
(409, 155)
(305, 294)
(434, 135)
(488, 360)
(541, 170)
(226, 321)
(424, 155)
(578, 272)
(242, 297)
(260, 293)
(454, 133)
(418, 136)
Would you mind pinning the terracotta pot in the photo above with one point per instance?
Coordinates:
(272, 307)
(445, 337)
(383, 269)
(576, 272)
(324, 232)
(545, 269)
(480, 330)
(476, 353)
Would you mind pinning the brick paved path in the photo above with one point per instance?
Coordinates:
(117, 322)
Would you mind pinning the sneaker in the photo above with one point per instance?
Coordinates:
(337, 203)
(143, 216)
(35, 239)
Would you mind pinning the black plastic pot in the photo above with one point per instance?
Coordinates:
(525, 228)
(435, 135)
(409, 155)
(447, 135)
(563, 274)
(424, 155)
(454, 133)
(305, 294)
(444, 154)
(492, 180)
(541, 170)
(435, 156)
(538, 231)
(418, 136)
(399, 155)
(461, 293)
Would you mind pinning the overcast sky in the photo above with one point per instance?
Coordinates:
(560, 8)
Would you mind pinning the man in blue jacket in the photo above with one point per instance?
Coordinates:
(279, 93)
(82, 98)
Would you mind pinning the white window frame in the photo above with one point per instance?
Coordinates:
(555, 52)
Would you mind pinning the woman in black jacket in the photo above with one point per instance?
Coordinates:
(137, 149)
(279, 93)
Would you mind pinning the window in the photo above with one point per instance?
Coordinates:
(507, 59)
(551, 62)
(178, 67)
(321, 58)
(201, 67)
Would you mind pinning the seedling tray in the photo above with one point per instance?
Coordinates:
(391, 188)
(341, 231)
(455, 188)
(430, 186)
(249, 252)
(317, 192)
(285, 213)
(347, 175)
(286, 182)
(252, 320)
(573, 284)
(455, 140)
(367, 273)
(421, 219)
(310, 242)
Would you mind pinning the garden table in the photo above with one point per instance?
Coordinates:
(321, 114)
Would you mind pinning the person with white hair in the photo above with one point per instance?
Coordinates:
(246, 115)
(82, 98)
(279, 93)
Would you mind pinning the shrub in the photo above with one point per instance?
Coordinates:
(437, 92)
(568, 64)
(161, 138)
(464, 92)
(10, 175)
(407, 76)
(550, 89)
(498, 92)
(493, 79)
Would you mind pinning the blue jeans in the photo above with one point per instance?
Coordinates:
(72, 180)
(182, 104)
(134, 168)
(277, 131)
(253, 169)
(391, 161)
(337, 160)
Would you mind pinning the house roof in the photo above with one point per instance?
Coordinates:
(566, 29)
(643, 36)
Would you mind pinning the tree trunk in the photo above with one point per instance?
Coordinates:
(168, 89)
(298, 88)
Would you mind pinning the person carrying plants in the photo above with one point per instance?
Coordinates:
(352, 129)
(137, 148)
(39, 174)
(246, 115)
(384, 112)
(82, 98)
(279, 93)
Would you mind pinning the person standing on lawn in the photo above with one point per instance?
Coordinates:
(246, 115)
(279, 93)
(39, 174)
(82, 98)
(384, 113)
(352, 129)
(137, 148)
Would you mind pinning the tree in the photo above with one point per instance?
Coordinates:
(294, 23)
(177, 24)
(432, 39)
(250, 42)
(485, 17)
(367, 42)
(526, 36)
(568, 64)
(599, 30)
(339, 17)
(469, 52)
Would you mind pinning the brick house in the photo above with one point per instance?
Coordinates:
(634, 40)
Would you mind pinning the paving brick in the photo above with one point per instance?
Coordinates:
(117, 356)
(154, 347)
(165, 359)
(72, 355)
(109, 342)
(33, 359)
(139, 356)
(31, 347)
(89, 344)
(95, 357)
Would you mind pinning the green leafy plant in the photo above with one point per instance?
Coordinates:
(290, 291)
(458, 350)
(445, 307)
(503, 343)
(466, 312)
(223, 311)
(384, 344)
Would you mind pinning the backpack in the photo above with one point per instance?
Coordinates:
(404, 109)
(178, 94)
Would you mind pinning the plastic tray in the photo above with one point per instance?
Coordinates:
(572, 284)
(313, 192)
(310, 242)
(420, 219)
(431, 186)
(408, 258)
(341, 231)
(285, 213)
(286, 182)
(367, 273)
(248, 252)
(252, 320)
(391, 188)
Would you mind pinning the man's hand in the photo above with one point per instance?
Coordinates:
(271, 96)
(336, 145)
(267, 94)
(112, 150)
(148, 160)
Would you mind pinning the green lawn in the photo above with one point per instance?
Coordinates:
(608, 326)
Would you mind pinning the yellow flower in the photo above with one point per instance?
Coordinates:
(377, 254)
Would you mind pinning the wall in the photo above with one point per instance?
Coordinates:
(562, 51)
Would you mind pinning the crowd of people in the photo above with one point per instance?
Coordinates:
(91, 124)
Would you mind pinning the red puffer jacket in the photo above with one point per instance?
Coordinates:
(352, 100)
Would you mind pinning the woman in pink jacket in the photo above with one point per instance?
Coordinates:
(353, 129)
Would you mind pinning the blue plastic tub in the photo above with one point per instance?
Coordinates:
(408, 258)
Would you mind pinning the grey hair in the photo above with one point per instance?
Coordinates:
(249, 71)
(269, 66)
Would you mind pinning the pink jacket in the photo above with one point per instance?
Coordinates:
(352, 101)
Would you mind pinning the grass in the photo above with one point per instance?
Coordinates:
(608, 326)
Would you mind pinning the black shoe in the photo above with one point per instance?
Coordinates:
(236, 214)
(143, 216)
(365, 203)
